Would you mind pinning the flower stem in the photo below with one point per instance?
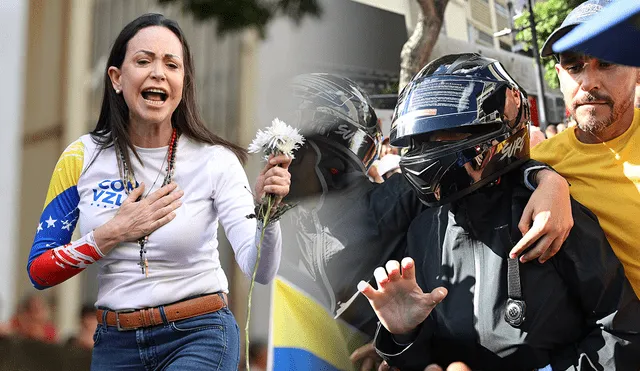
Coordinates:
(265, 222)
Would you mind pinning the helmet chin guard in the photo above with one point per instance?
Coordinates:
(448, 175)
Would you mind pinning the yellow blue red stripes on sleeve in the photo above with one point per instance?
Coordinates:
(67, 171)
(60, 213)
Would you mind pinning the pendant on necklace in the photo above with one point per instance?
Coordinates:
(144, 263)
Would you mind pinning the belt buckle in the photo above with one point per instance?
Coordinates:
(118, 312)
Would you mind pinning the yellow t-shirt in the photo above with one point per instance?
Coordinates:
(605, 177)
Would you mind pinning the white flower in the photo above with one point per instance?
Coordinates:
(260, 143)
(287, 148)
(279, 137)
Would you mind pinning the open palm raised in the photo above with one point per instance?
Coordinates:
(399, 302)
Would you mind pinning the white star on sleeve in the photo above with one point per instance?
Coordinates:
(51, 222)
(39, 227)
(66, 225)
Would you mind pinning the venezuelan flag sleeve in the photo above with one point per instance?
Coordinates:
(53, 259)
(305, 336)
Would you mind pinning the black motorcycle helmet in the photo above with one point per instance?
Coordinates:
(339, 125)
(465, 121)
(335, 110)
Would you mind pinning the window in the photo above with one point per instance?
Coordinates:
(485, 38)
(555, 109)
(502, 10)
(551, 110)
(479, 37)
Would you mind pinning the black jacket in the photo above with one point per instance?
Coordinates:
(334, 240)
(332, 243)
(581, 311)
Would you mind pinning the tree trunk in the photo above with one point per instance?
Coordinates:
(416, 51)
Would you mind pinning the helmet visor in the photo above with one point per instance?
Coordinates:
(446, 102)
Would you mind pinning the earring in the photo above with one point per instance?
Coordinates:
(117, 91)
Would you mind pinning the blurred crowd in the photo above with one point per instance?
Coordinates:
(33, 321)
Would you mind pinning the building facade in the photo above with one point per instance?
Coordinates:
(469, 26)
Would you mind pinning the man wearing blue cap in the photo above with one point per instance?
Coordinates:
(619, 22)
(581, 14)
(599, 156)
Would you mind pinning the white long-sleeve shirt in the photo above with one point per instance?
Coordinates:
(183, 255)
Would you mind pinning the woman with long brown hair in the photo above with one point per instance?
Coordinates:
(149, 186)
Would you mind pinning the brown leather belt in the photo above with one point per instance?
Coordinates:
(126, 320)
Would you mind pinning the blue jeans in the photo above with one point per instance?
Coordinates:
(206, 342)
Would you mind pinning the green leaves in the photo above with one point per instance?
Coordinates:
(548, 16)
(235, 15)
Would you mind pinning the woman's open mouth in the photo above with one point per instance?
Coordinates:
(154, 96)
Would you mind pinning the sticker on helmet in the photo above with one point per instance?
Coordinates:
(344, 131)
(510, 149)
(452, 94)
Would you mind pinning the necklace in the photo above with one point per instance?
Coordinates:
(129, 181)
(616, 155)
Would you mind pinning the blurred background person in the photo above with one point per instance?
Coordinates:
(388, 160)
(88, 323)
(536, 135)
(258, 356)
(387, 164)
(5, 327)
(551, 131)
(33, 320)
(561, 127)
(258, 352)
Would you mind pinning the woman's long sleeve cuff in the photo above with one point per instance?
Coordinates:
(58, 264)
